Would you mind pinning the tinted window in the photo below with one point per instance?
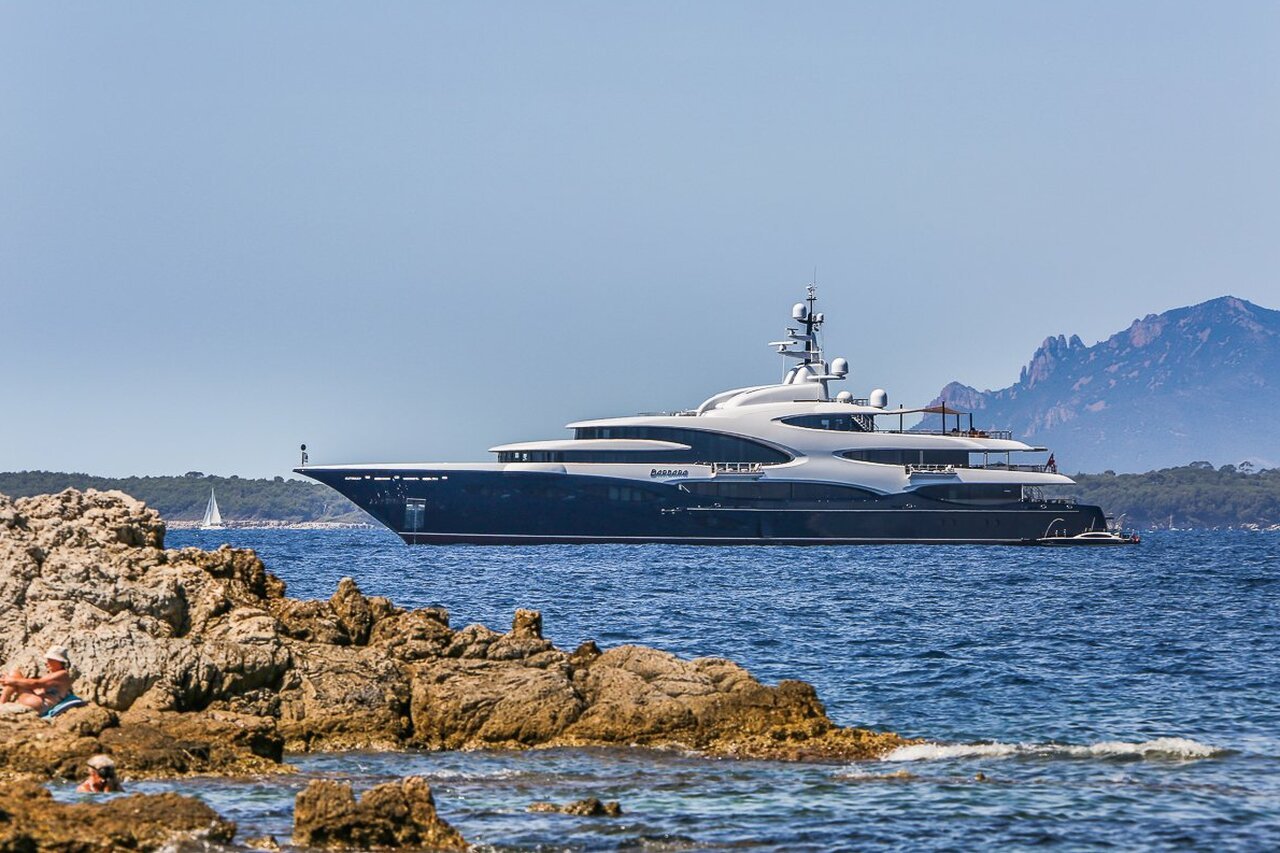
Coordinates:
(840, 423)
(791, 492)
(910, 457)
(706, 446)
(973, 493)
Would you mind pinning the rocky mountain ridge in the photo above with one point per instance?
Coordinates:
(1199, 382)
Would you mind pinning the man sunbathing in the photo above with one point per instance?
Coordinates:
(45, 691)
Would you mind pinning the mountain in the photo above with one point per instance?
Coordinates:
(1194, 383)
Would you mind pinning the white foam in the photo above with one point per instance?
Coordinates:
(1164, 747)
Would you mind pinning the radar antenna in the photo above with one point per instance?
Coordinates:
(812, 366)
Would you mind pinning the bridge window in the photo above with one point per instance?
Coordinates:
(839, 423)
(530, 456)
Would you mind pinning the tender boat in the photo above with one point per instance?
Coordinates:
(782, 463)
(1092, 537)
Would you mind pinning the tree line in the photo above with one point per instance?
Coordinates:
(183, 498)
(1195, 495)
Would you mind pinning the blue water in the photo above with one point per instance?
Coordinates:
(1113, 696)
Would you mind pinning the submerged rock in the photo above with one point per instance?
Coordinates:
(197, 662)
(394, 814)
(590, 807)
(30, 819)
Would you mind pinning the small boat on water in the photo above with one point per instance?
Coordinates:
(212, 518)
(1092, 537)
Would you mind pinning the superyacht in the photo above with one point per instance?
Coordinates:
(784, 463)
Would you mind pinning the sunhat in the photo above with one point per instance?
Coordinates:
(58, 653)
(102, 762)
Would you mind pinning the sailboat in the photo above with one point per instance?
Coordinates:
(212, 518)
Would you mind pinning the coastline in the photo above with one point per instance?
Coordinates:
(196, 662)
(267, 524)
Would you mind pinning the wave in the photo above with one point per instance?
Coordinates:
(1162, 747)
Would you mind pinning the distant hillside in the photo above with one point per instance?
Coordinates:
(1201, 382)
(1195, 495)
(184, 498)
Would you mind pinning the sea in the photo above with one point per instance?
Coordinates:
(1080, 698)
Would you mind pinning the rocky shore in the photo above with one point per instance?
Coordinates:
(30, 820)
(197, 662)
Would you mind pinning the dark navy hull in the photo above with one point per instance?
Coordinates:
(506, 507)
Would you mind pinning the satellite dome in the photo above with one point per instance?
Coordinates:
(799, 311)
(879, 398)
(840, 367)
(844, 397)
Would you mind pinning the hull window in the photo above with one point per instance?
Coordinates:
(973, 493)
(627, 494)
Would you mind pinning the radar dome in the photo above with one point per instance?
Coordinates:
(879, 398)
(799, 311)
(840, 367)
(844, 397)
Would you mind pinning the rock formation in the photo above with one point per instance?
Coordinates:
(31, 820)
(197, 662)
(143, 743)
(590, 807)
(1198, 382)
(395, 814)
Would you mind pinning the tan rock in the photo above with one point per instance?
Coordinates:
(468, 704)
(392, 815)
(590, 807)
(352, 611)
(344, 698)
(30, 819)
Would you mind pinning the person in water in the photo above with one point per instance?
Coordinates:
(45, 691)
(102, 776)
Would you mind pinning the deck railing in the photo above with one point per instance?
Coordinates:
(735, 467)
(1003, 434)
(930, 469)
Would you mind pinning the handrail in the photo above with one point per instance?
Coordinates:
(735, 467)
(930, 469)
(1002, 434)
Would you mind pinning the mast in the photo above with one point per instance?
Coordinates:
(812, 367)
(811, 324)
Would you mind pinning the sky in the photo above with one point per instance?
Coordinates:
(412, 231)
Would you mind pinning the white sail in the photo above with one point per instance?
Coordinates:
(212, 518)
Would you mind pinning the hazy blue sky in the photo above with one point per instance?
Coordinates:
(412, 231)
